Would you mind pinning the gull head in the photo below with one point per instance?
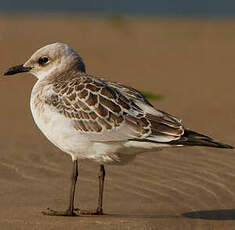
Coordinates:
(55, 58)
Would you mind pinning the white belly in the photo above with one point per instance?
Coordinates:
(59, 130)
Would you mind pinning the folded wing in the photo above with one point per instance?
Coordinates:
(111, 111)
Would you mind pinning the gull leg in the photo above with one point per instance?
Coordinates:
(70, 211)
(99, 210)
(101, 176)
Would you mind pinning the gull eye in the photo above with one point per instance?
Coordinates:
(43, 60)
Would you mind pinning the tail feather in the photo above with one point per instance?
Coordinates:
(192, 138)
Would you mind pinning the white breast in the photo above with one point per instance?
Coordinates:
(60, 131)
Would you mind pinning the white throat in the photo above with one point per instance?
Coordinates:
(44, 73)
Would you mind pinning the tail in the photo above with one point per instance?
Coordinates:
(191, 138)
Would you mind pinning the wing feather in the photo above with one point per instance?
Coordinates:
(109, 111)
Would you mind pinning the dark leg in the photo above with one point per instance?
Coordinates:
(70, 210)
(101, 176)
(99, 210)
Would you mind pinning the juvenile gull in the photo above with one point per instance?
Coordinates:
(91, 118)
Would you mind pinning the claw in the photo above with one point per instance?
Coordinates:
(89, 212)
(51, 212)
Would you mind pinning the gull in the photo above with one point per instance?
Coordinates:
(91, 118)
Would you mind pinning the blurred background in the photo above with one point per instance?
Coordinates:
(206, 8)
(183, 50)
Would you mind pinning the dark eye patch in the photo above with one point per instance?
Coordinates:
(43, 60)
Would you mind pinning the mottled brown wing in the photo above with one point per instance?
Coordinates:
(96, 107)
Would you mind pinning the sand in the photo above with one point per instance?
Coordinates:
(190, 62)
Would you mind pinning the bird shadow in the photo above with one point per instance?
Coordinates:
(220, 214)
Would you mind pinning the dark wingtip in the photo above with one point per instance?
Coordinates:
(228, 147)
(215, 144)
(221, 145)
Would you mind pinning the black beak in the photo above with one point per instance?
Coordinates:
(17, 69)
